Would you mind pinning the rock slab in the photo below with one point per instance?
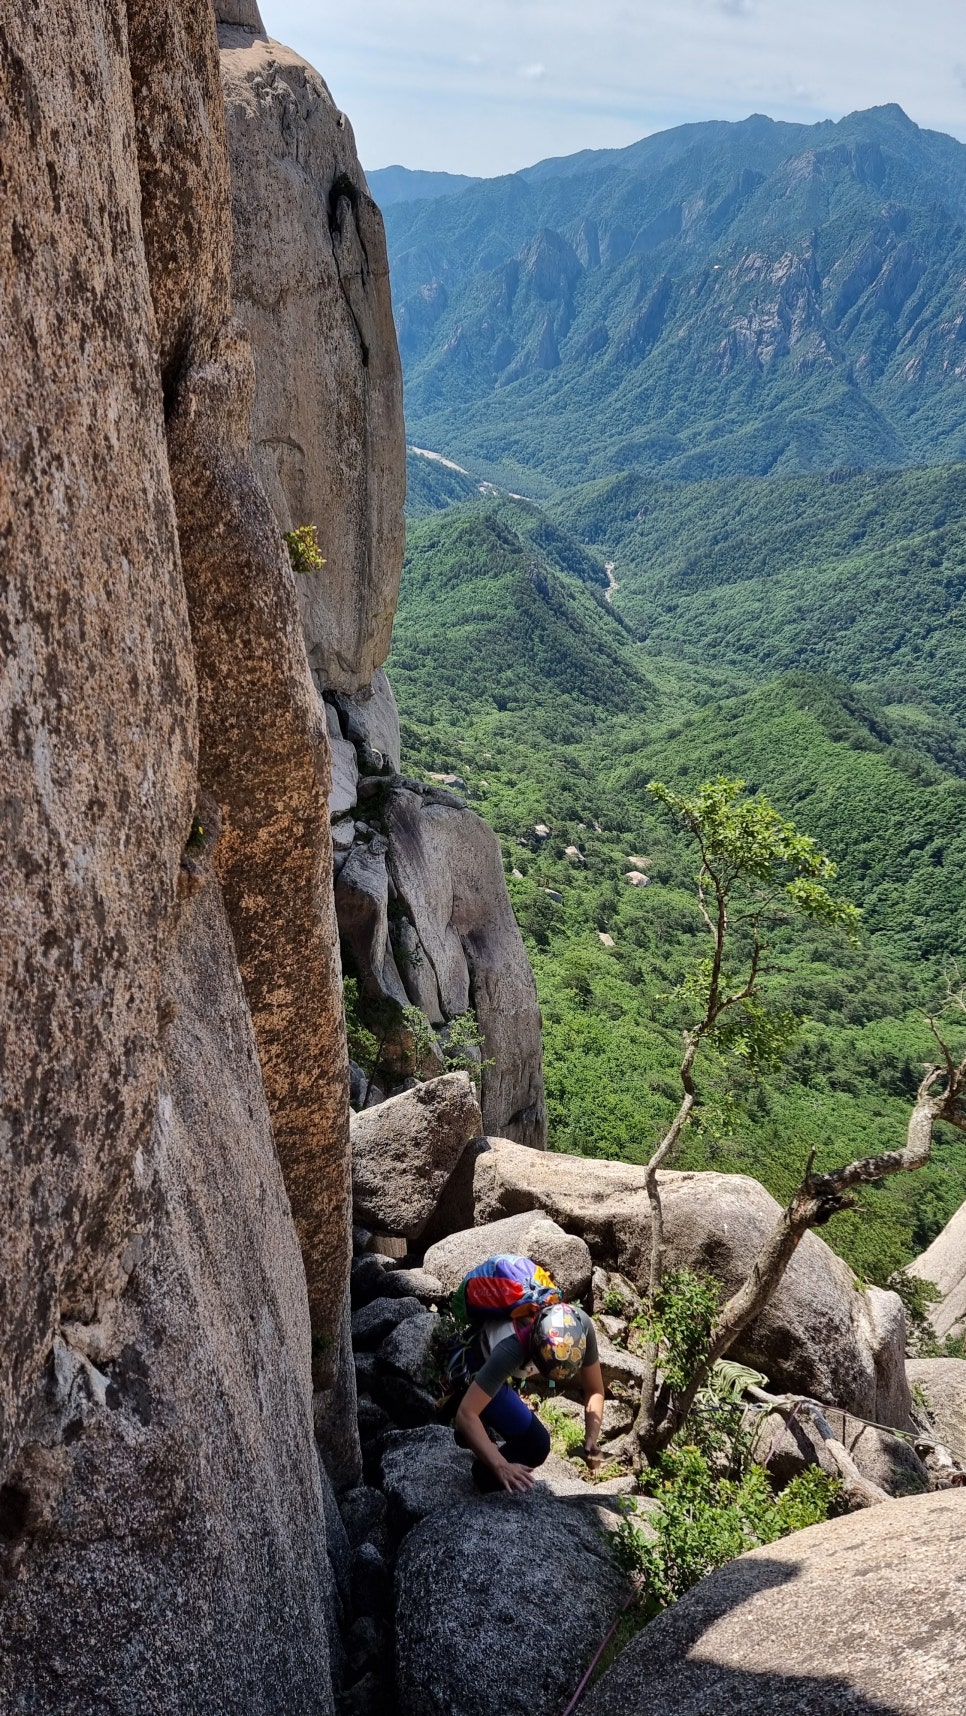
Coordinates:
(944, 1264)
(819, 1335)
(865, 1615)
(943, 1384)
(564, 1255)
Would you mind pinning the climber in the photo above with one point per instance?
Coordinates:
(515, 1325)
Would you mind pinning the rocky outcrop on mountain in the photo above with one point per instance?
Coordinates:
(310, 283)
(311, 287)
(98, 707)
(171, 1482)
(565, 1256)
(177, 1201)
(941, 1384)
(819, 1335)
(944, 1264)
(404, 1151)
(865, 1614)
(426, 920)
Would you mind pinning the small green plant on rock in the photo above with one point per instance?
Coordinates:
(462, 1033)
(566, 1433)
(303, 549)
(705, 1521)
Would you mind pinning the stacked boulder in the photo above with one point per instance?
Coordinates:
(433, 1197)
(424, 915)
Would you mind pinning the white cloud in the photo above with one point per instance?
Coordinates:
(464, 87)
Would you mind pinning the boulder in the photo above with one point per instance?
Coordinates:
(820, 1335)
(422, 1471)
(563, 1479)
(345, 777)
(410, 1350)
(404, 1151)
(363, 1511)
(373, 1322)
(944, 1264)
(943, 1385)
(380, 718)
(362, 909)
(470, 1638)
(564, 1255)
(310, 284)
(865, 1615)
(427, 1288)
(447, 869)
(455, 1209)
(370, 1279)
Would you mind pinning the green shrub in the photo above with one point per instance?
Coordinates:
(303, 549)
(705, 1521)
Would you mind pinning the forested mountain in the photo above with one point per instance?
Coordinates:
(513, 673)
(730, 364)
(718, 299)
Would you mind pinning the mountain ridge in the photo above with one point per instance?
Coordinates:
(731, 307)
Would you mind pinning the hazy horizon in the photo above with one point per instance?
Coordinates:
(488, 91)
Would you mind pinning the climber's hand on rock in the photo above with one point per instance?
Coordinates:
(516, 1479)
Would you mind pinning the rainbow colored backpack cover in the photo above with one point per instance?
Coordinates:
(502, 1287)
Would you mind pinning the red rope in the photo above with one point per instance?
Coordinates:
(578, 1695)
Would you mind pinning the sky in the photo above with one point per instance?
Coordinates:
(489, 86)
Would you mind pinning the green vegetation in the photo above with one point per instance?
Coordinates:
(861, 577)
(706, 1520)
(303, 549)
(511, 671)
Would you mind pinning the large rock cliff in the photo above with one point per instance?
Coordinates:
(176, 1190)
(311, 286)
(174, 1140)
(422, 903)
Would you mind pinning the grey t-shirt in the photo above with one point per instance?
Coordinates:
(503, 1354)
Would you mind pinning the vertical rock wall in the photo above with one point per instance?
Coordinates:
(263, 747)
(97, 700)
(311, 286)
(174, 1068)
(169, 1552)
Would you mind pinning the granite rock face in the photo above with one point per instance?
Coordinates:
(564, 1255)
(865, 1614)
(311, 287)
(944, 1264)
(466, 1642)
(176, 1202)
(447, 873)
(98, 729)
(171, 1484)
(819, 1335)
(404, 1151)
(943, 1385)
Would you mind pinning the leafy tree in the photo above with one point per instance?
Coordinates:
(755, 869)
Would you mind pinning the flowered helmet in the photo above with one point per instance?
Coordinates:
(558, 1345)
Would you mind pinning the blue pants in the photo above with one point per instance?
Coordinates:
(526, 1442)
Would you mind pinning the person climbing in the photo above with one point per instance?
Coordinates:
(515, 1325)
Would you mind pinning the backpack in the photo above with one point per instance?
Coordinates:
(505, 1287)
